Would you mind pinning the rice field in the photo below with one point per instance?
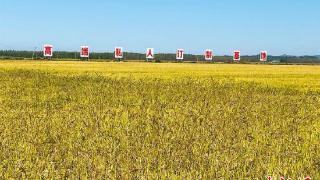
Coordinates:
(103, 120)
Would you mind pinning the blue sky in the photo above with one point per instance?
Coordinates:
(278, 26)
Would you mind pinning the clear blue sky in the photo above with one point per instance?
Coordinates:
(278, 26)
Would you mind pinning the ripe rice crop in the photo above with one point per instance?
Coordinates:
(158, 121)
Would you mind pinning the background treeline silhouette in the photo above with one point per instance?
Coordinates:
(20, 55)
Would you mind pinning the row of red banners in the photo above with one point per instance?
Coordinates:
(118, 53)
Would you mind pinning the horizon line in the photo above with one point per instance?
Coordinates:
(195, 54)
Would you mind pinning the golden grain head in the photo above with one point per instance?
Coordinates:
(158, 121)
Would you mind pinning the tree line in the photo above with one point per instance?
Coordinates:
(128, 56)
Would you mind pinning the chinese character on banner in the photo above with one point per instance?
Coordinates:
(118, 53)
(179, 55)
(263, 56)
(84, 53)
(150, 53)
(236, 56)
(208, 55)
(47, 50)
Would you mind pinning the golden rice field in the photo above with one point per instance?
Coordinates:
(96, 120)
